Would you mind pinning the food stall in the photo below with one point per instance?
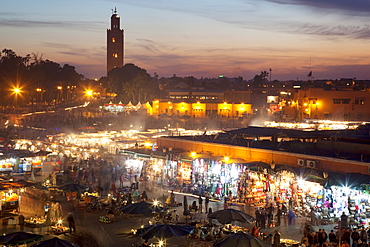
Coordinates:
(6, 165)
(9, 201)
(37, 165)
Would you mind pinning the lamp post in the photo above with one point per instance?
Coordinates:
(59, 97)
(16, 91)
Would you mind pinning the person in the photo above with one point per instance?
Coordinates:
(172, 199)
(257, 214)
(345, 244)
(355, 237)
(278, 216)
(194, 206)
(184, 187)
(200, 202)
(332, 237)
(206, 202)
(276, 239)
(255, 232)
(110, 215)
(343, 221)
(136, 195)
(363, 235)
(291, 217)
(313, 217)
(339, 235)
(346, 237)
(305, 243)
(174, 216)
(144, 196)
(71, 223)
(133, 184)
(121, 177)
(129, 199)
(322, 237)
(46, 208)
(21, 222)
(225, 203)
(136, 182)
(270, 215)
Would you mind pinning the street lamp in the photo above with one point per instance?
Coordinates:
(59, 98)
(89, 93)
(17, 91)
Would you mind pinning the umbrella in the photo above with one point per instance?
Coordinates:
(19, 238)
(138, 208)
(240, 239)
(165, 231)
(25, 183)
(42, 153)
(55, 242)
(227, 216)
(72, 187)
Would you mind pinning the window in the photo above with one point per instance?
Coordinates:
(341, 101)
(113, 40)
(115, 55)
(359, 101)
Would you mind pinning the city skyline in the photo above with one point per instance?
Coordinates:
(199, 38)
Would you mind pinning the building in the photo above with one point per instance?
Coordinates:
(317, 103)
(115, 43)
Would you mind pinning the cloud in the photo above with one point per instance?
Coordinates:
(70, 25)
(357, 7)
(77, 53)
(350, 31)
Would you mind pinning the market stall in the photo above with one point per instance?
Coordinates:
(35, 222)
(9, 201)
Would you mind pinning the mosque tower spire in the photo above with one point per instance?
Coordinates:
(115, 43)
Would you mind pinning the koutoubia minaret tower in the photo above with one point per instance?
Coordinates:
(114, 43)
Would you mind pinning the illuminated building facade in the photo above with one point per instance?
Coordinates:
(201, 109)
(317, 103)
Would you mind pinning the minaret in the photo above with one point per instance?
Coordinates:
(114, 43)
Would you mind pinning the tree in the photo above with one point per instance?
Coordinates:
(264, 75)
(130, 83)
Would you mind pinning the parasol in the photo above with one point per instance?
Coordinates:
(240, 239)
(17, 238)
(165, 231)
(227, 216)
(55, 242)
(72, 187)
(138, 208)
(42, 153)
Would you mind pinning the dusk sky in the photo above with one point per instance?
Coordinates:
(198, 37)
